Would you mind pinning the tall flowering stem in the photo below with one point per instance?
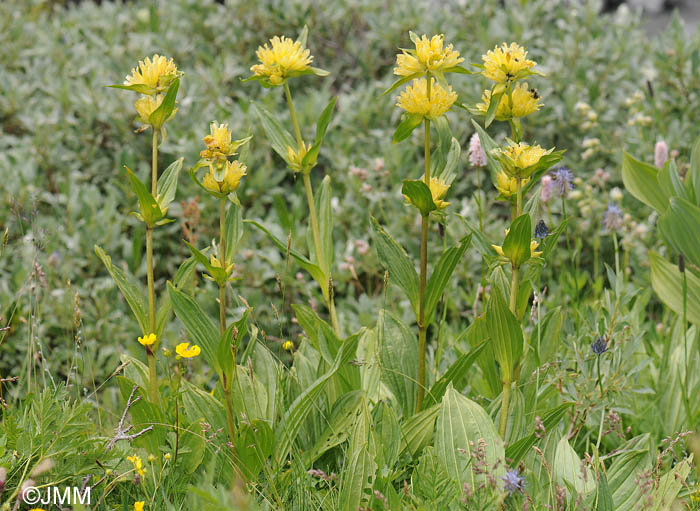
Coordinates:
(425, 224)
(313, 215)
(152, 373)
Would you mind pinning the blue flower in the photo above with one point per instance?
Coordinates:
(612, 218)
(599, 346)
(512, 482)
(563, 181)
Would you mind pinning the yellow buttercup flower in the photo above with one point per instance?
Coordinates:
(138, 506)
(429, 57)
(186, 351)
(284, 58)
(287, 345)
(414, 98)
(520, 157)
(156, 73)
(235, 170)
(508, 186)
(138, 465)
(297, 157)
(148, 340)
(503, 63)
(524, 102)
(533, 248)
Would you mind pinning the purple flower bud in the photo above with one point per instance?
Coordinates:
(599, 346)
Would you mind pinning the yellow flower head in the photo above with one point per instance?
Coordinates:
(186, 351)
(156, 73)
(214, 261)
(287, 345)
(280, 61)
(148, 340)
(414, 98)
(138, 506)
(429, 56)
(297, 157)
(235, 170)
(146, 105)
(519, 157)
(138, 465)
(524, 102)
(504, 62)
(218, 142)
(533, 248)
(438, 189)
(508, 186)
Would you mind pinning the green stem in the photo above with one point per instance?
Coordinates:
(425, 223)
(293, 114)
(600, 378)
(505, 403)
(685, 349)
(222, 260)
(152, 375)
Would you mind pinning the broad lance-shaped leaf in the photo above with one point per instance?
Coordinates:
(568, 468)
(506, 335)
(460, 426)
(199, 327)
(321, 127)
(234, 231)
(279, 137)
(398, 354)
(161, 114)
(313, 269)
(182, 276)
(417, 431)
(132, 292)
(167, 184)
(396, 260)
(290, 424)
(640, 179)
(325, 221)
(441, 276)
(679, 225)
(408, 123)
(454, 373)
(419, 195)
(150, 210)
(695, 168)
(667, 282)
(358, 475)
(516, 246)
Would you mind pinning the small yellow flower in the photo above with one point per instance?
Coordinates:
(186, 351)
(287, 345)
(138, 465)
(524, 102)
(533, 248)
(235, 170)
(280, 61)
(508, 186)
(504, 62)
(296, 157)
(148, 340)
(430, 56)
(138, 506)
(520, 157)
(414, 98)
(167, 456)
(156, 72)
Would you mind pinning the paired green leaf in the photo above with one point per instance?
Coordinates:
(150, 210)
(165, 110)
(516, 246)
(418, 194)
(506, 335)
(409, 122)
(167, 184)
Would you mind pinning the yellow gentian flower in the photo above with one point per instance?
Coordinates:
(517, 159)
(525, 101)
(148, 340)
(438, 190)
(283, 58)
(429, 57)
(156, 73)
(146, 105)
(297, 157)
(218, 142)
(414, 98)
(184, 350)
(235, 170)
(138, 465)
(508, 186)
(503, 63)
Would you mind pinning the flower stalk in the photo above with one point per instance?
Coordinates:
(152, 373)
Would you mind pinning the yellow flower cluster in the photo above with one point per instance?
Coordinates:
(522, 102)
(506, 63)
(184, 350)
(508, 186)
(220, 147)
(517, 159)
(281, 60)
(430, 56)
(152, 77)
(415, 99)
